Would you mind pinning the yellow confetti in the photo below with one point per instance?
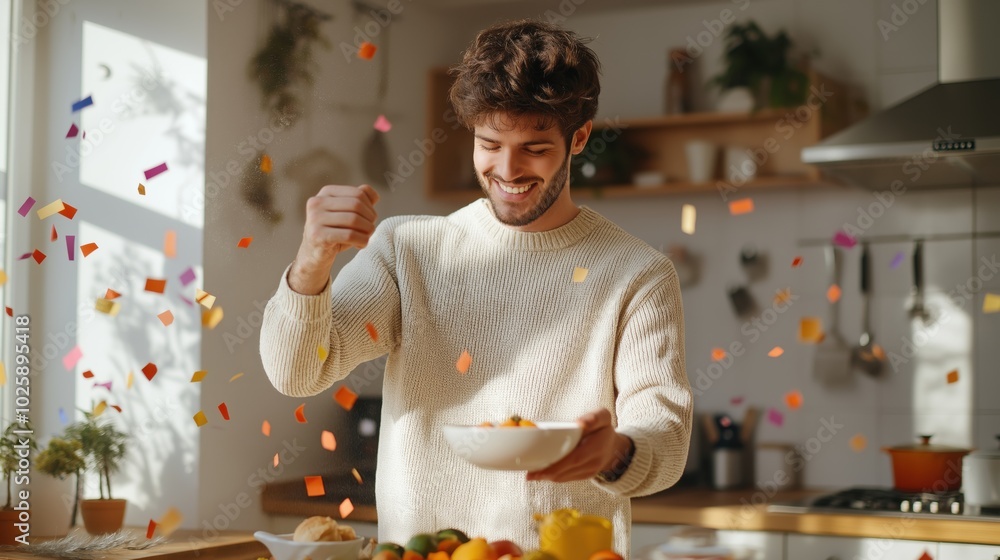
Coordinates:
(107, 306)
(810, 330)
(265, 163)
(357, 476)
(206, 299)
(579, 274)
(322, 353)
(170, 522)
(782, 296)
(235, 377)
(3, 278)
(688, 216)
(991, 303)
(50, 209)
(463, 363)
(859, 443)
(198, 376)
(142, 189)
(129, 380)
(211, 317)
(3, 374)
(200, 419)
(776, 351)
(100, 408)
(952, 376)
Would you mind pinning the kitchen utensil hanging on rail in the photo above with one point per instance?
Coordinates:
(918, 310)
(832, 361)
(867, 357)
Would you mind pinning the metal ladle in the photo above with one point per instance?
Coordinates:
(918, 310)
(866, 356)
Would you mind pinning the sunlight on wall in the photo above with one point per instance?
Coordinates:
(4, 89)
(149, 108)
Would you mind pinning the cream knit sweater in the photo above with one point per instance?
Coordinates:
(542, 346)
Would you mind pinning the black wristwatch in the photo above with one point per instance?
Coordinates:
(614, 474)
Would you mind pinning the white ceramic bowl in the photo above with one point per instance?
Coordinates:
(514, 449)
(282, 547)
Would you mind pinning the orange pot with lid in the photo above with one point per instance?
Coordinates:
(926, 467)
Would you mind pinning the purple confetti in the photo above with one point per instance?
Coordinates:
(897, 260)
(85, 102)
(71, 247)
(187, 276)
(24, 256)
(187, 301)
(843, 240)
(775, 417)
(26, 207)
(153, 172)
(70, 359)
(106, 385)
(73, 131)
(62, 416)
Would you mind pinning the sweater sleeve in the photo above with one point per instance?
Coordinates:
(654, 401)
(296, 327)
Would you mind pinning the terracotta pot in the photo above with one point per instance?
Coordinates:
(8, 517)
(102, 516)
(924, 467)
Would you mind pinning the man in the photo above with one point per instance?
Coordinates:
(565, 315)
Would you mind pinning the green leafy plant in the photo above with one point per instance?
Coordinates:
(761, 63)
(60, 459)
(10, 444)
(104, 447)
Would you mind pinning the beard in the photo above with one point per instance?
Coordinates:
(550, 191)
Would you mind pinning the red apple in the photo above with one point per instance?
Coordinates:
(501, 548)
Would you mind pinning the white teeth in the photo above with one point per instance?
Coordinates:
(513, 190)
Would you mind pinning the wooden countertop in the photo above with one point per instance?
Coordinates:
(181, 545)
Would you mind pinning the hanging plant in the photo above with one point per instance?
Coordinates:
(257, 186)
(285, 63)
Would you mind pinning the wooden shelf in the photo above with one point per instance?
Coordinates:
(695, 119)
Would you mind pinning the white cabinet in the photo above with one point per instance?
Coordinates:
(754, 545)
(952, 551)
(810, 547)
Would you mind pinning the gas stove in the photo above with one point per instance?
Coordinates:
(882, 501)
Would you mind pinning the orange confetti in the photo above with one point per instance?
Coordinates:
(276, 460)
(372, 333)
(170, 244)
(314, 486)
(150, 529)
(88, 249)
(68, 211)
(10, 311)
(463, 363)
(357, 476)
(776, 351)
(198, 376)
(149, 370)
(300, 413)
(741, 206)
(170, 521)
(329, 442)
(53, 236)
(718, 354)
(38, 256)
(953, 376)
(833, 294)
(88, 374)
(200, 419)
(111, 294)
(346, 507)
(796, 262)
(345, 397)
(235, 377)
(211, 317)
(265, 163)
(142, 189)
(167, 317)
(878, 351)
(810, 330)
(116, 407)
(265, 428)
(224, 411)
(155, 285)
(366, 50)
(859, 443)
(244, 242)
(793, 399)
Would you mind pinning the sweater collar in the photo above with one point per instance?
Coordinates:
(563, 236)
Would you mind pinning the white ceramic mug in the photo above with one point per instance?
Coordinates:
(740, 166)
(701, 156)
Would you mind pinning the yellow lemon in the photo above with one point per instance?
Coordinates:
(475, 549)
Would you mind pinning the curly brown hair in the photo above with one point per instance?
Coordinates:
(527, 67)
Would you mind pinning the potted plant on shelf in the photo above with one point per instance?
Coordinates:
(61, 458)
(761, 65)
(104, 447)
(10, 446)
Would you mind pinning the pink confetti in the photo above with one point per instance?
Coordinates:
(187, 276)
(841, 239)
(382, 124)
(73, 131)
(187, 301)
(70, 359)
(775, 417)
(736, 401)
(154, 171)
(71, 247)
(106, 385)
(897, 260)
(26, 207)
(24, 256)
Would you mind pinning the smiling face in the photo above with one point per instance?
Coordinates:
(524, 171)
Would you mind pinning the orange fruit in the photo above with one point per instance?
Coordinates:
(605, 555)
(448, 545)
(438, 556)
(386, 555)
(486, 425)
(526, 424)
(412, 555)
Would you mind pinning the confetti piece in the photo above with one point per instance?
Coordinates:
(718, 354)
(463, 363)
(810, 330)
(3, 278)
(235, 377)
(111, 294)
(926, 556)
(775, 417)
(796, 262)
(372, 333)
(366, 50)
(736, 401)
(300, 413)
(782, 296)
(85, 102)
(224, 411)
(991, 303)
(107, 307)
(844, 240)
(328, 441)
(116, 407)
(346, 507)
(150, 529)
(776, 352)
(73, 131)
(68, 211)
(106, 385)
(244, 242)
(26, 206)
(275, 460)
(154, 171)
(266, 164)
(794, 399)
(357, 476)
(265, 428)
(70, 247)
(3, 374)
(859, 443)
(206, 299)
(99, 409)
(314, 486)
(382, 124)
(54, 236)
(833, 294)
(129, 380)
(197, 376)
(62, 416)
(211, 318)
(345, 397)
(187, 276)
(952, 376)
(155, 285)
(50, 209)
(88, 374)
(10, 312)
(88, 249)
(879, 352)
(689, 216)
(322, 353)
(897, 260)
(579, 274)
(149, 370)
(741, 206)
(71, 358)
(142, 189)
(170, 244)
(200, 419)
(170, 521)
(167, 317)
(38, 256)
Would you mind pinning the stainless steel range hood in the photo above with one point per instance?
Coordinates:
(947, 135)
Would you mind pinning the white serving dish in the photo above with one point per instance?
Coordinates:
(282, 547)
(514, 448)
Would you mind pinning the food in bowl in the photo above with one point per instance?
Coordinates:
(316, 538)
(511, 422)
(501, 448)
(322, 529)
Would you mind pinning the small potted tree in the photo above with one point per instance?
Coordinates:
(104, 447)
(10, 458)
(60, 459)
(761, 65)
